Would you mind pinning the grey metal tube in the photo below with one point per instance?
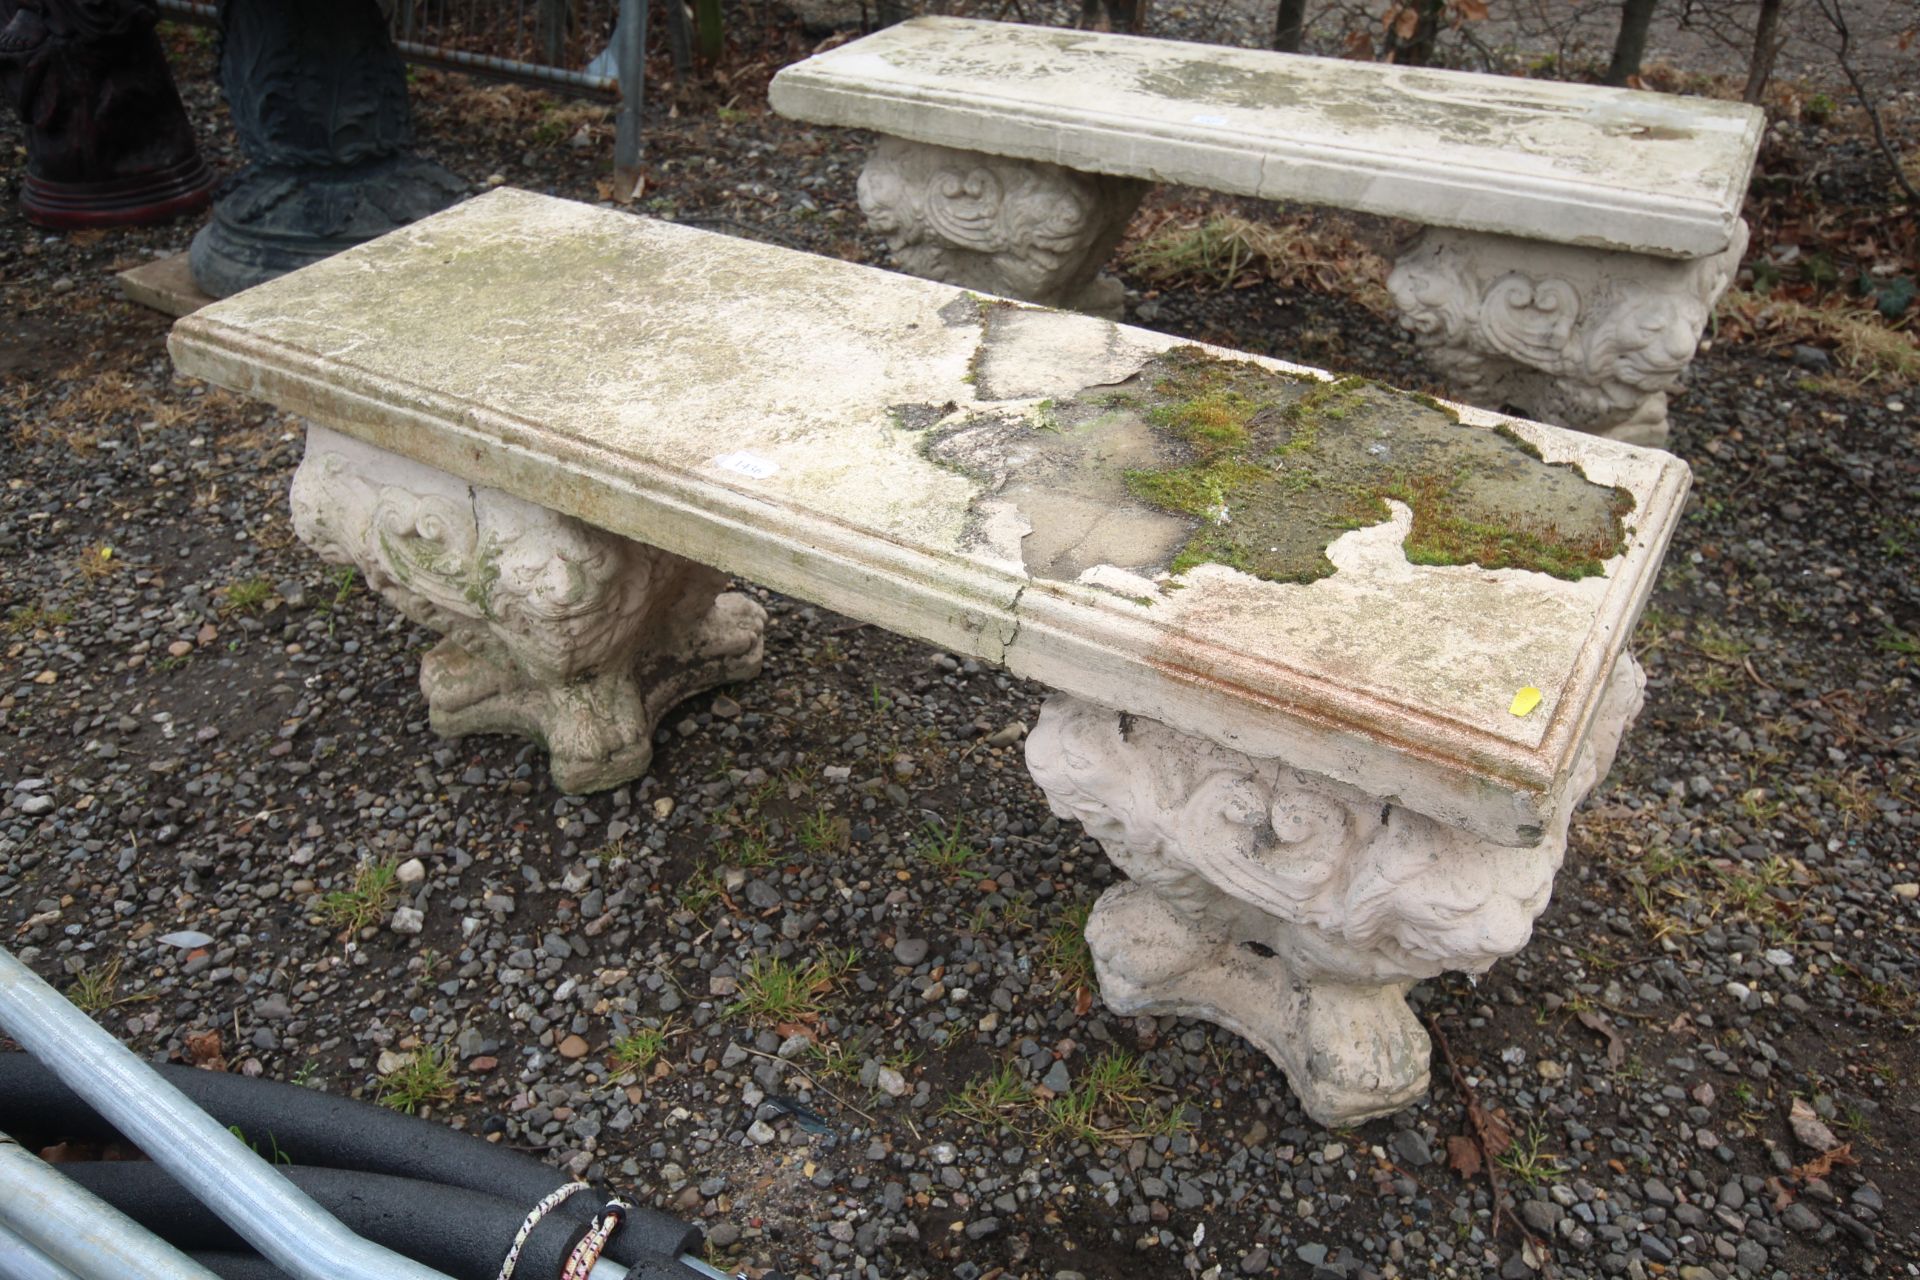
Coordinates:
(630, 33)
(76, 1230)
(274, 1216)
(21, 1261)
(533, 73)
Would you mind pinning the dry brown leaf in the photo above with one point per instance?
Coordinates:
(1463, 1155)
(1471, 10)
(1594, 1020)
(1495, 1130)
(1826, 1162)
(203, 1051)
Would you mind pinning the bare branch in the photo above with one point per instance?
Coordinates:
(1835, 13)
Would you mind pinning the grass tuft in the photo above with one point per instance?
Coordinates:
(37, 617)
(773, 990)
(946, 850)
(426, 1079)
(1066, 952)
(1224, 251)
(638, 1050)
(98, 988)
(1861, 343)
(996, 1101)
(366, 900)
(249, 595)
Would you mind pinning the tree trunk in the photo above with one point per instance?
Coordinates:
(1289, 25)
(1766, 44)
(1630, 46)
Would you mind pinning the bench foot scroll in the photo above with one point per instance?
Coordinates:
(1015, 228)
(1286, 907)
(557, 631)
(1593, 339)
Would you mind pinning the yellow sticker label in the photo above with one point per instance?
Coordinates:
(1525, 700)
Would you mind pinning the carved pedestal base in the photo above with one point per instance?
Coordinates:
(1016, 228)
(557, 631)
(1294, 910)
(1587, 338)
(1350, 1051)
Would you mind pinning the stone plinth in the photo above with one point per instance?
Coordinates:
(108, 141)
(1289, 717)
(557, 631)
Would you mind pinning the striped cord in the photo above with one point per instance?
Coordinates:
(587, 1252)
(550, 1202)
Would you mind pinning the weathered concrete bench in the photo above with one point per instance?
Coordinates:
(1286, 666)
(1577, 237)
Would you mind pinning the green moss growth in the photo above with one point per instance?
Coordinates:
(1275, 468)
(1448, 531)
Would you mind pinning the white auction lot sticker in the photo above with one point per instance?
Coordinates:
(747, 464)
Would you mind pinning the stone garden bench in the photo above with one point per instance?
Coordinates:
(1285, 618)
(1576, 237)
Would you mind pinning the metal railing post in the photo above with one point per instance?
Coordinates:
(628, 145)
(76, 1230)
(277, 1218)
(19, 1260)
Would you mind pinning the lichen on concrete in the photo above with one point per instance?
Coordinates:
(1194, 460)
(1275, 467)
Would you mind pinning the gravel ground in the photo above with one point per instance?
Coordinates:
(816, 981)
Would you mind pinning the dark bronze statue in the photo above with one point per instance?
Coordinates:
(108, 143)
(319, 100)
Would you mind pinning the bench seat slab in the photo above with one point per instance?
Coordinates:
(1540, 159)
(1577, 237)
(780, 416)
(544, 430)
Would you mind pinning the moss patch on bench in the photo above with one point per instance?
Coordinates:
(1275, 468)
(1190, 459)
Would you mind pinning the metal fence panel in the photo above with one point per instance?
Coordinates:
(540, 42)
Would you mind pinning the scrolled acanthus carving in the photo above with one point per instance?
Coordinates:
(1019, 229)
(1587, 338)
(554, 629)
(1291, 909)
